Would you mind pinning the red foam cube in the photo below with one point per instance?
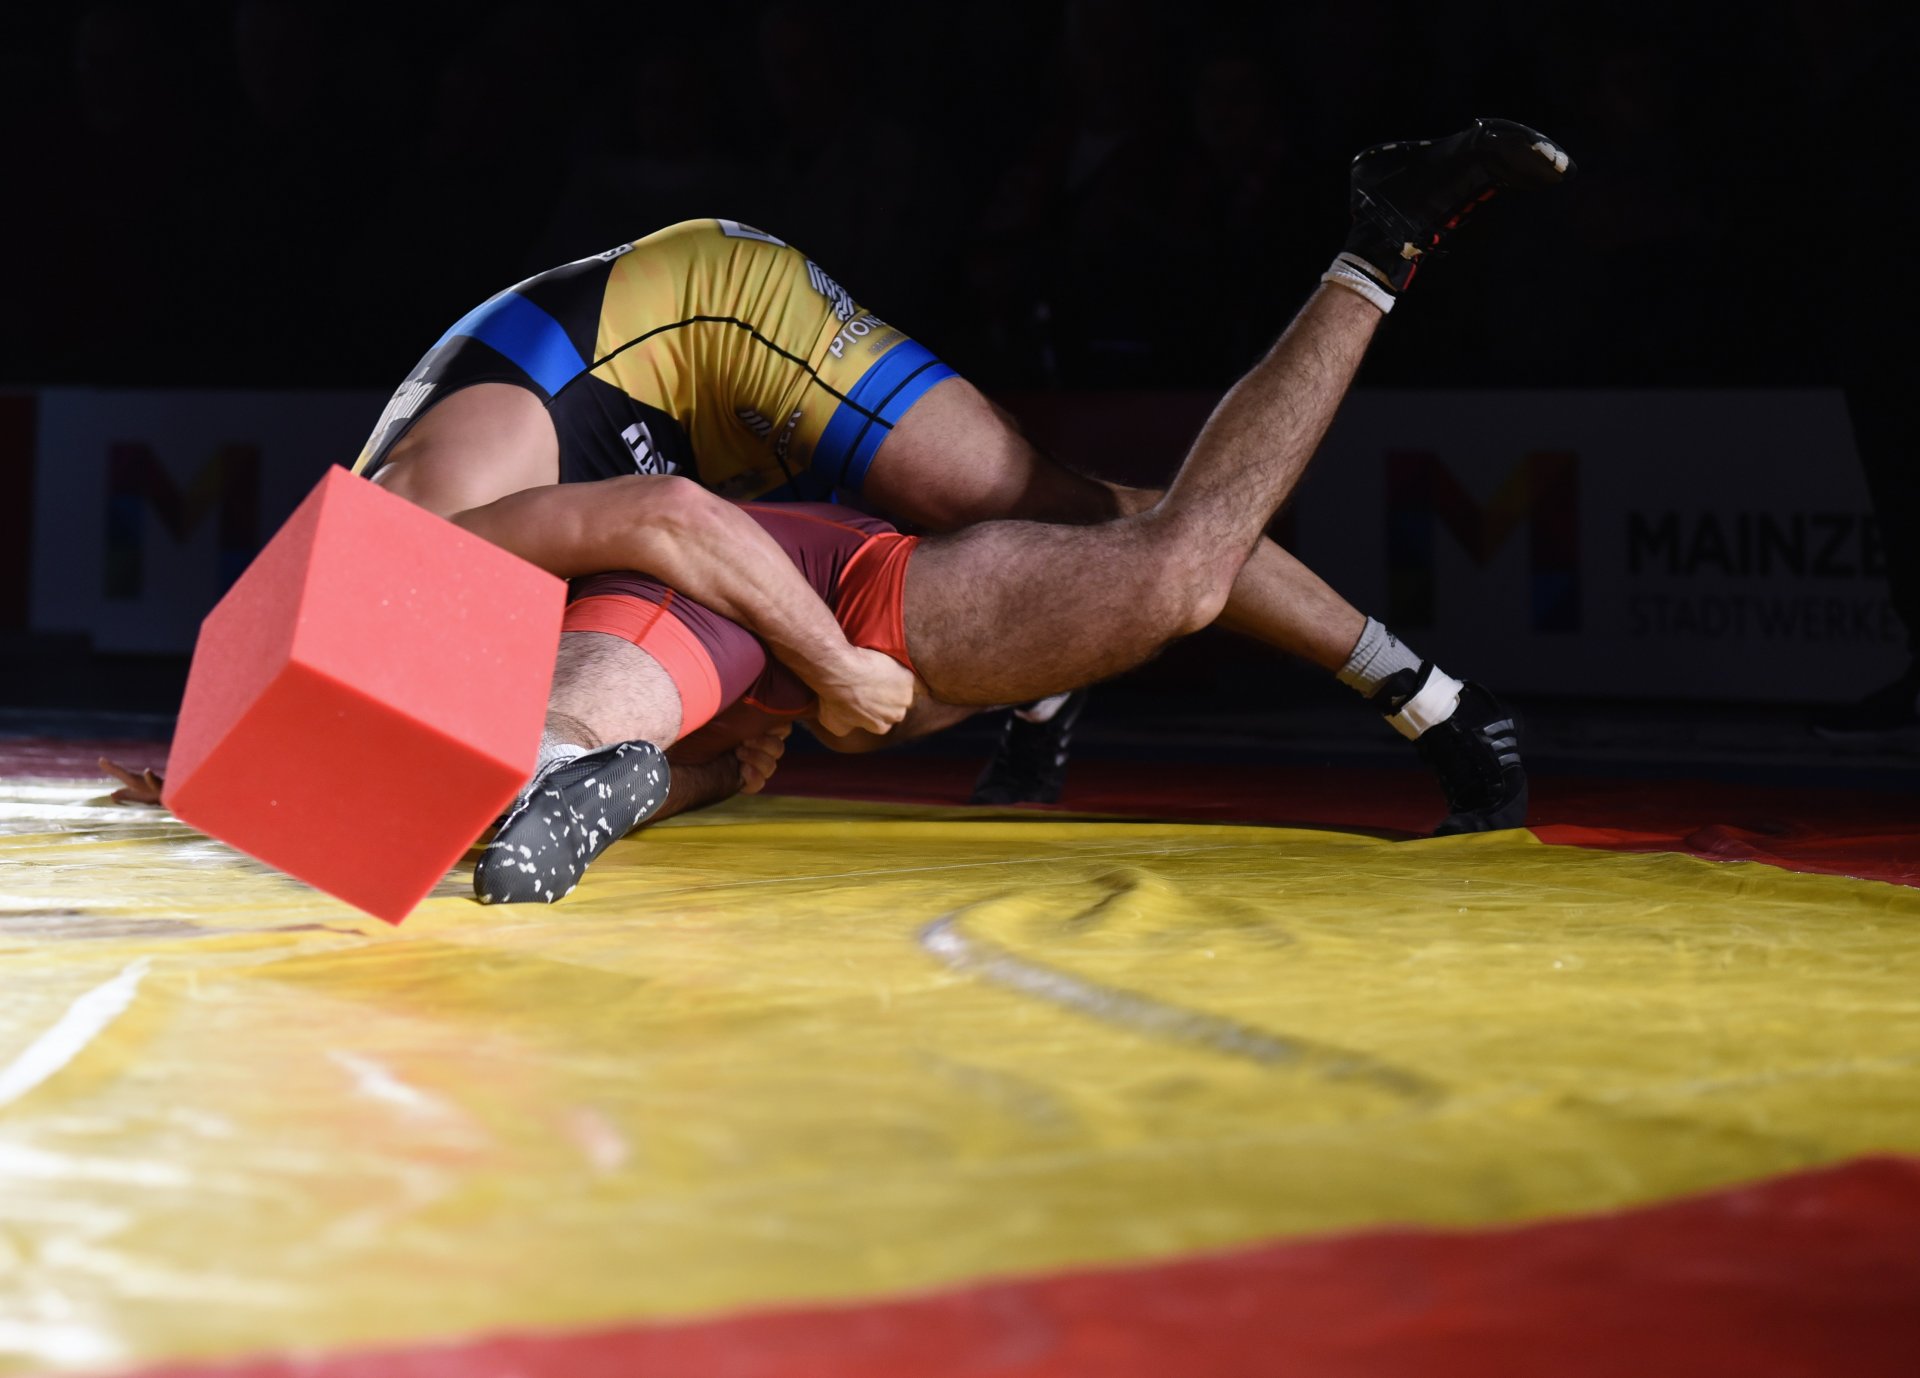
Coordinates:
(367, 697)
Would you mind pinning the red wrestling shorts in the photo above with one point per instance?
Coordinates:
(730, 689)
(653, 626)
(871, 607)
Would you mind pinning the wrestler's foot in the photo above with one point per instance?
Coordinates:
(1473, 747)
(1030, 764)
(572, 812)
(1407, 197)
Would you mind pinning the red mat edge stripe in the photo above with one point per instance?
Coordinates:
(1791, 1276)
(1809, 1273)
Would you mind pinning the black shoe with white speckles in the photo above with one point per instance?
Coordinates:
(566, 818)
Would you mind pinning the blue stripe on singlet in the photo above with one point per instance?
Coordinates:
(886, 391)
(525, 334)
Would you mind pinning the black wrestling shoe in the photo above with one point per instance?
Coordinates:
(1029, 766)
(1474, 750)
(1408, 197)
(1888, 719)
(568, 816)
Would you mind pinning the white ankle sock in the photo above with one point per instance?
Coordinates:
(554, 752)
(1377, 656)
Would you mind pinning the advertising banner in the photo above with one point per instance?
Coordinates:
(1714, 545)
(147, 504)
(1709, 545)
(1651, 544)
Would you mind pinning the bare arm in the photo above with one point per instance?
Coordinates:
(676, 531)
(745, 770)
(927, 716)
(700, 787)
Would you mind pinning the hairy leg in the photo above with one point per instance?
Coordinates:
(607, 690)
(1007, 611)
(955, 459)
(1256, 444)
(601, 772)
(1278, 600)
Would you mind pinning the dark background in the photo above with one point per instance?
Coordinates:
(1088, 195)
(1101, 193)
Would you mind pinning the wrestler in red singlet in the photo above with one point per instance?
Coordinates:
(730, 688)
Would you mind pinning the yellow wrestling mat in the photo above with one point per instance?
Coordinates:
(796, 1049)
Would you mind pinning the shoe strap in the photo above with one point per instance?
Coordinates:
(1432, 703)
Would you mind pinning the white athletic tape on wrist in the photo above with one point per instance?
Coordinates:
(1435, 703)
(1347, 272)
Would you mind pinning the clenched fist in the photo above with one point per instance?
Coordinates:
(868, 691)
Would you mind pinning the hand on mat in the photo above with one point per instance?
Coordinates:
(870, 691)
(759, 756)
(143, 788)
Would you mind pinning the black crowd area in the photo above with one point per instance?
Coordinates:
(1100, 193)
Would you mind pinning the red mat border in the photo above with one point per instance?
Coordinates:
(1810, 1274)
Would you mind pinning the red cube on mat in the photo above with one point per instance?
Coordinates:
(367, 697)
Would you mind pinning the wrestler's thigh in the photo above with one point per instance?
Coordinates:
(954, 460)
(1003, 612)
(474, 447)
(615, 689)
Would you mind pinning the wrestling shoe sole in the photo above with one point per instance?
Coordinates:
(1511, 814)
(1477, 756)
(566, 819)
(1407, 197)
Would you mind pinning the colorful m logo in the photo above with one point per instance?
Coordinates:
(229, 483)
(1543, 492)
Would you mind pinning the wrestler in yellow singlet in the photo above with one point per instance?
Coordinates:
(709, 349)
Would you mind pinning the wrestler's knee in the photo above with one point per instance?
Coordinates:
(1207, 600)
(1192, 601)
(1190, 579)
